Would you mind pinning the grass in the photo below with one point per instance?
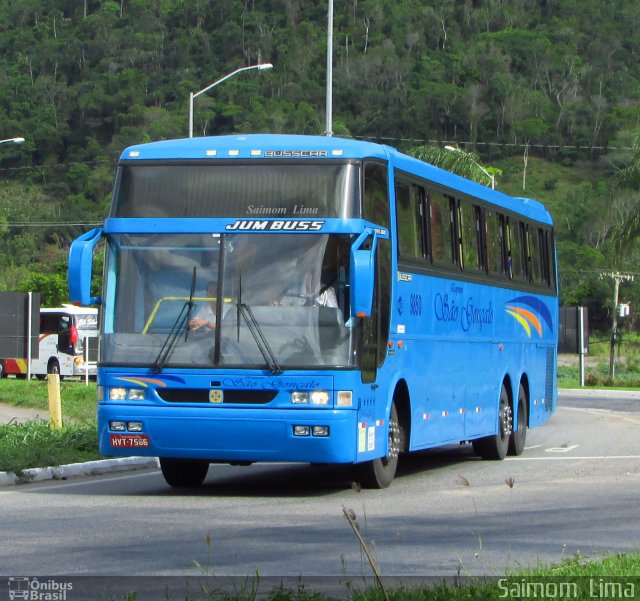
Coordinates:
(34, 443)
(78, 400)
(614, 577)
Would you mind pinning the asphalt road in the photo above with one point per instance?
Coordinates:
(574, 490)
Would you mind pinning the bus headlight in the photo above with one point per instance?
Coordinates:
(319, 397)
(117, 394)
(316, 397)
(122, 394)
(299, 398)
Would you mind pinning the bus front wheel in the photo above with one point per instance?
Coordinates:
(497, 445)
(379, 473)
(183, 473)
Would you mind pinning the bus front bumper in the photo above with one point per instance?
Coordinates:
(310, 436)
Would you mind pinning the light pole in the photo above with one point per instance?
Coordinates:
(478, 165)
(18, 140)
(192, 96)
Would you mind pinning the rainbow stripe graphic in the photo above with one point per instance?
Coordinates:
(532, 315)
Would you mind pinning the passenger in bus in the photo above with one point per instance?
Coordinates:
(206, 315)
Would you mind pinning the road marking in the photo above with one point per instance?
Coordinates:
(79, 481)
(564, 449)
(573, 458)
(533, 446)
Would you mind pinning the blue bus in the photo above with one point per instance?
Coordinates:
(315, 299)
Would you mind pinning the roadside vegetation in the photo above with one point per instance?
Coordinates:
(614, 577)
(597, 375)
(34, 443)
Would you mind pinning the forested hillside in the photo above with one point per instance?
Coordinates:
(546, 90)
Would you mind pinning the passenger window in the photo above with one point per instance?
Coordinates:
(441, 229)
(494, 231)
(376, 194)
(516, 254)
(535, 255)
(409, 214)
(469, 230)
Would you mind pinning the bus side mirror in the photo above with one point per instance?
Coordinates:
(362, 274)
(81, 267)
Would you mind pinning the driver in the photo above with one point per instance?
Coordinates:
(206, 315)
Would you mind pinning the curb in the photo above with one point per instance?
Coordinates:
(72, 470)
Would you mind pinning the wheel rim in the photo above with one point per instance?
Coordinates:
(394, 441)
(506, 420)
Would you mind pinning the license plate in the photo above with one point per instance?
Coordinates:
(129, 440)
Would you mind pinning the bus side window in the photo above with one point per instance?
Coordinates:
(469, 230)
(376, 194)
(441, 229)
(494, 239)
(409, 219)
(535, 254)
(515, 257)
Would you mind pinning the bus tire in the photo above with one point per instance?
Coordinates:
(518, 437)
(495, 447)
(3, 373)
(182, 473)
(379, 473)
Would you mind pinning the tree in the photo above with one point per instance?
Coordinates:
(466, 164)
(629, 178)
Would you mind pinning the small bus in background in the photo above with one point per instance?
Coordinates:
(67, 345)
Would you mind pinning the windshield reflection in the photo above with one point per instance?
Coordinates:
(259, 300)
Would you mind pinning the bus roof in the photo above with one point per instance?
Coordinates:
(285, 146)
(71, 309)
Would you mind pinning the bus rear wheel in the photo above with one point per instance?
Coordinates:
(379, 473)
(495, 447)
(519, 436)
(183, 473)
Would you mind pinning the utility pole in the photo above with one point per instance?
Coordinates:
(617, 278)
(329, 100)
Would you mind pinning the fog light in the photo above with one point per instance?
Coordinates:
(134, 426)
(299, 398)
(118, 426)
(320, 431)
(136, 394)
(117, 394)
(319, 397)
(345, 398)
(301, 430)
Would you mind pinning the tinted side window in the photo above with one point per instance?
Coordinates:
(469, 240)
(376, 194)
(516, 250)
(535, 254)
(409, 217)
(494, 232)
(441, 229)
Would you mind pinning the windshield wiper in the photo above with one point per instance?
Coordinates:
(182, 321)
(258, 336)
(254, 327)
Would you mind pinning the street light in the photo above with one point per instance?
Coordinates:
(478, 165)
(14, 140)
(192, 96)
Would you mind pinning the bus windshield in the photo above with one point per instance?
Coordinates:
(160, 190)
(247, 300)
